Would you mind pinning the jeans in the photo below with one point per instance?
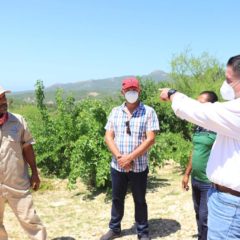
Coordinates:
(224, 216)
(199, 196)
(138, 182)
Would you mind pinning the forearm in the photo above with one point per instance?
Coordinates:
(112, 147)
(142, 148)
(189, 166)
(29, 157)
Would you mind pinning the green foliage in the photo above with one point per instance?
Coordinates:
(70, 135)
(90, 158)
(149, 90)
(193, 75)
(170, 146)
(167, 120)
(71, 140)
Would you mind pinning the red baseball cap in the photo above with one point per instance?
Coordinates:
(130, 82)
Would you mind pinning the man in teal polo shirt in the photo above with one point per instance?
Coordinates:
(203, 140)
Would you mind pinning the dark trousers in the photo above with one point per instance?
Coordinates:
(199, 195)
(138, 183)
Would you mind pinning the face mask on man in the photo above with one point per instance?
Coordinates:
(131, 96)
(227, 91)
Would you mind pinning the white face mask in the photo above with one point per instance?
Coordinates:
(131, 96)
(227, 91)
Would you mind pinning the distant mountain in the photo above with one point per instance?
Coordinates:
(94, 87)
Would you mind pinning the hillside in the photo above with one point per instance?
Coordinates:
(93, 88)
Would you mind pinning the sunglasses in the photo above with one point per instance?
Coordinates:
(128, 127)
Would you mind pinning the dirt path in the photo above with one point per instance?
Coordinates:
(75, 215)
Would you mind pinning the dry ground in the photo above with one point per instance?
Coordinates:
(78, 214)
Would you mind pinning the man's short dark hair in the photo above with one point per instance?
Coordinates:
(212, 96)
(234, 62)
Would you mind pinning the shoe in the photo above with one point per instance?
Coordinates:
(110, 235)
(144, 237)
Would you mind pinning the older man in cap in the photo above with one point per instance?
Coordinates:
(130, 132)
(17, 154)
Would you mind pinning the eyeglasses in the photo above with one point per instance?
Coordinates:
(128, 127)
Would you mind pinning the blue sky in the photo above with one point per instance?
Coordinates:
(60, 41)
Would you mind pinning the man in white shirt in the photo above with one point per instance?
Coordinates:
(223, 168)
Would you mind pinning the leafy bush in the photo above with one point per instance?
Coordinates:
(170, 146)
(71, 140)
(192, 75)
(70, 137)
(90, 157)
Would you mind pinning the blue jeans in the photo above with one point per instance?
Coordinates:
(199, 196)
(138, 182)
(224, 216)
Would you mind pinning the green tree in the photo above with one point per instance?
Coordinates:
(193, 75)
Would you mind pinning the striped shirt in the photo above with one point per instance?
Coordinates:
(143, 119)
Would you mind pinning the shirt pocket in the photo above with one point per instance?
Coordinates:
(11, 143)
(138, 128)
(211, 138)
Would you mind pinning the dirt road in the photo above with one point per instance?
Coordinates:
(78, 214)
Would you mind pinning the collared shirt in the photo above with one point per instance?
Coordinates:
(143, 119)
(14, 134)
(223, 166)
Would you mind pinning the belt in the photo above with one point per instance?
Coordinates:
(226, 190)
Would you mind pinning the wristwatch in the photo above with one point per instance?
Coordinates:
(171, 92)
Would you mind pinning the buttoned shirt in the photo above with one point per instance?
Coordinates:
(223, 166)
(143, 119)
(14, 134)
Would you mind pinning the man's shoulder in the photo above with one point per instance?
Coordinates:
(15, 117)
(148, 108)
(118, 108)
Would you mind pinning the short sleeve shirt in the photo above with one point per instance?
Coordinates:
(144, 119)
(14, 134)
(203, 140)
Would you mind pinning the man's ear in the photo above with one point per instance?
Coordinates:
(122, 92)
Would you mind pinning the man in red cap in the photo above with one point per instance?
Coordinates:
(17, 154)
(130, 132)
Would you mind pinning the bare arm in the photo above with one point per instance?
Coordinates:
(126, 160)
(188, 170)
(29, 157)
(109, 139)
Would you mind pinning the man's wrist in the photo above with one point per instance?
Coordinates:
(118, 156)
(170, 92)
(131, 157)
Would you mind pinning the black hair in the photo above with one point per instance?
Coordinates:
(212, 96)
(234, 62)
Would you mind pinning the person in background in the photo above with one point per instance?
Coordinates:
(130, 132)
(16, 155)
(223, 167)
(202, 140)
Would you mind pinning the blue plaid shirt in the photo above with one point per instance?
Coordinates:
(144, 119)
